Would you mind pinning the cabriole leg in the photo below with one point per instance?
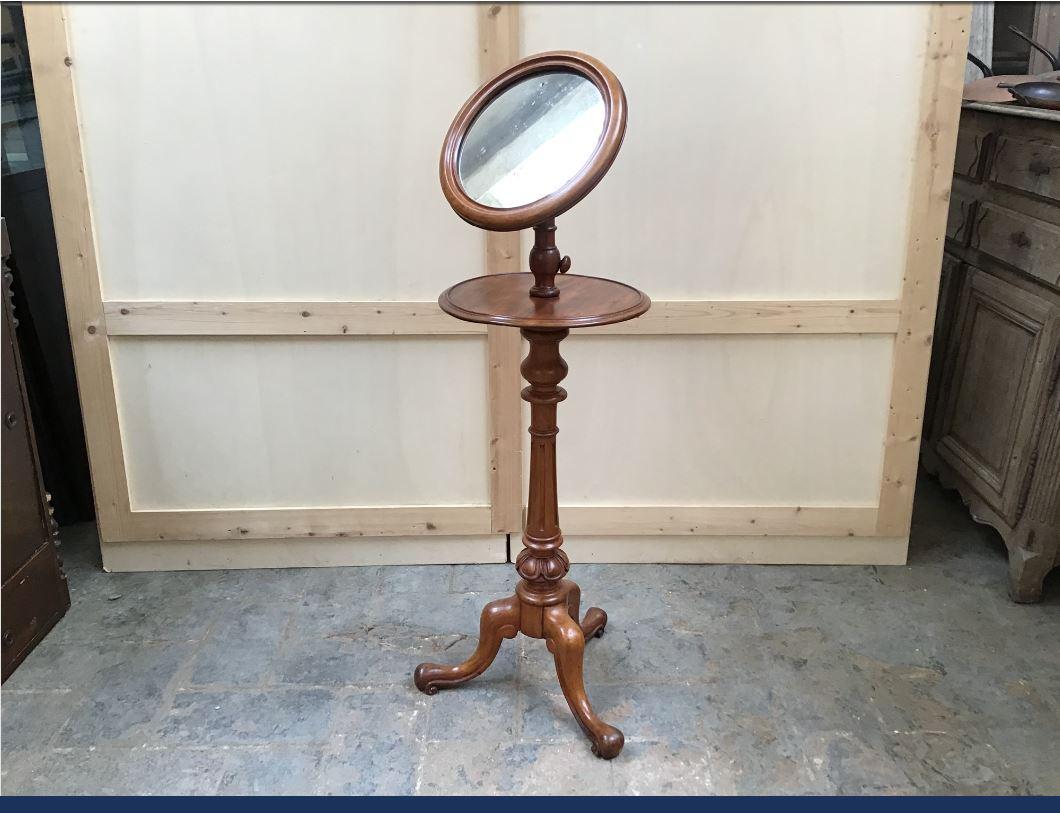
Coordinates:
(567, 643)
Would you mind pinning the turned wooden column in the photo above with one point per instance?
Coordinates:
(549, 602)
(541, 563)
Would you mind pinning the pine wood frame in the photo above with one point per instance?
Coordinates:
(92, 321)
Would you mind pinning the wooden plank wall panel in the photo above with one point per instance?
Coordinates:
(750, 245)
(748, 421)
(273, 223)
(739, 230)
(732, 183)
(302, 422)
(266, 152)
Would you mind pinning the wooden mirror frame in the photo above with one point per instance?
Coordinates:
(550, 206)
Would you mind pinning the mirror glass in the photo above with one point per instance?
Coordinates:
(531, 140)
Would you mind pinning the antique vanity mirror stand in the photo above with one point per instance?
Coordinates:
(526, 147)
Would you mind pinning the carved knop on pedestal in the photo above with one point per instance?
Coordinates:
(536, 568)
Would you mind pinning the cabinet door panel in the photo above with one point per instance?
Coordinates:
(1005, 339)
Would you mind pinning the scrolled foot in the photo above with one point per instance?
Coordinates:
(608, 742)
(426, 674)
(500, 620)
(594, 623)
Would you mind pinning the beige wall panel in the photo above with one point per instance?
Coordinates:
(723, 420)
(769, 149)
(288, 155)
(255, 151)
(293, 422)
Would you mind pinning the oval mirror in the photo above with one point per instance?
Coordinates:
(532, 142)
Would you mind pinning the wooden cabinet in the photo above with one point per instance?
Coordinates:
(994, 411)
(34, 594)
(1003, 345)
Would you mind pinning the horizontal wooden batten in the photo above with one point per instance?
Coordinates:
(144, 318)
(229, 553)
(223, 554)
(740, 520)
(761, 550)
(759, 316)
(273, 523)
(468, 520)
(281, 319)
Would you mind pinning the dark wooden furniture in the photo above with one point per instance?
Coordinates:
(34, 592)
(545, 305)
(993, 408)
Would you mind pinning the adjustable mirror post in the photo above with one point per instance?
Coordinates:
(545, 261)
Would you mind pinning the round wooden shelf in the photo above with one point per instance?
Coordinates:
(504, 299)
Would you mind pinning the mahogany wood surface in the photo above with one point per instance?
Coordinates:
(501, 299)
(521, 217)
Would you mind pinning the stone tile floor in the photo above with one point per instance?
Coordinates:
(725, 679)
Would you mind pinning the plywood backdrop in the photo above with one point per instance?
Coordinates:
(252, 238)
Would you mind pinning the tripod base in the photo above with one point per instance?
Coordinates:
(552, 616)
